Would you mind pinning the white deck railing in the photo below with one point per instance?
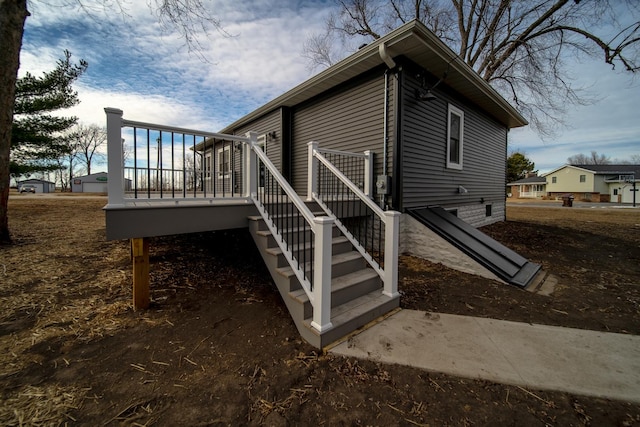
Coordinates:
(180, 171)
(156, 163)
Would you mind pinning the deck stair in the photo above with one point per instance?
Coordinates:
(356, 289)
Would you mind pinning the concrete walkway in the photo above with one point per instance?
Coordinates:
(533, 356)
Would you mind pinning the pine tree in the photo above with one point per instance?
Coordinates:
(37, 139)
(518, 165)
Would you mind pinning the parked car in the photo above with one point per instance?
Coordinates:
(28, 188)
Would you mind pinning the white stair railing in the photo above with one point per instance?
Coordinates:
(372, 231)
(290, 221)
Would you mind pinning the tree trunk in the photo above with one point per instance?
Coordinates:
(13, 14)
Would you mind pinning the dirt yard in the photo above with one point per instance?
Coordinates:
(217, 346)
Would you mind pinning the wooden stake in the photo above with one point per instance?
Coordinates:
(140, 258)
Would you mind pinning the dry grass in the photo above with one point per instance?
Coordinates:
(571, 216)
(41, 406)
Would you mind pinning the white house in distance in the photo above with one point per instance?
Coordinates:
(595, 183)
(94, 183)
(592, 183)
(530, 187)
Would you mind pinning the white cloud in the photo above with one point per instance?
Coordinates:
(148, 73)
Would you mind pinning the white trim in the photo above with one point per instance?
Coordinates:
(220, 174)
(459, 113)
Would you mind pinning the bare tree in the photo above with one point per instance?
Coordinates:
(593, 159)
(87, 139)
(518, 46)
(633, 159)
(189, 18)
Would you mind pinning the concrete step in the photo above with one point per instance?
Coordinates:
(341, 264)
(339, 245)
(343, 289)
(297, 234)
(348, 317)
(291, 220)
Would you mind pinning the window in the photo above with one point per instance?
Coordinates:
(487, 211)
(224, 162)
(615, 191)
(455, 137)
(554, 180)
(583, 178)
(207, 166)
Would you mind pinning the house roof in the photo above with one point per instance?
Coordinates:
(530, 180)
(414, 41)
(613, 169)
(603, 169)
(34, 180)
(92, 175)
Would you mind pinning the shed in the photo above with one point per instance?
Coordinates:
(41, 185)
(94, 183)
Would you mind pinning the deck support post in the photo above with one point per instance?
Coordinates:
(391, 252)
(322, 274)
(312, 171)
(140, 258)
(368, 172)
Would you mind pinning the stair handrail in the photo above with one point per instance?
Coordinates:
(391, 220)
(318, 290)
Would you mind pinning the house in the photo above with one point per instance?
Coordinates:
(529, 187)
(41, 185)
(94, 183)
(401, 147)
(595, 183)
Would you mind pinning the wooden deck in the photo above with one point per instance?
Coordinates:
(148, 218)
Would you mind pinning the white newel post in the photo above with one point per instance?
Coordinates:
(115, 160)
(391, 241)
(312, 171)
(368, 172)
(322, 274)
(250, 163)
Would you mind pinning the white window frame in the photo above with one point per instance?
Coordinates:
(207, 165)
(224, 172)
(458, 112)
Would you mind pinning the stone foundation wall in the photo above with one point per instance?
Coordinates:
(476, 215)
(418, 240)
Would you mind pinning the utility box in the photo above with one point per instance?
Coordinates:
(383, 184)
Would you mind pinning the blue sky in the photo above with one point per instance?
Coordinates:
(135, 66)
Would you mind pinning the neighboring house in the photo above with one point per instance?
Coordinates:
(404, 112)
(530, 187)
(94, 183)
(40, 185)
(595, 183)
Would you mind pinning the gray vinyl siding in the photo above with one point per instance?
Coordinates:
(271, 122)
(425, 177)
(349, 119)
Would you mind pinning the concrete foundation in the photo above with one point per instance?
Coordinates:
(418, 240)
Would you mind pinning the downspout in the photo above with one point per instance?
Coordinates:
(391, 64)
